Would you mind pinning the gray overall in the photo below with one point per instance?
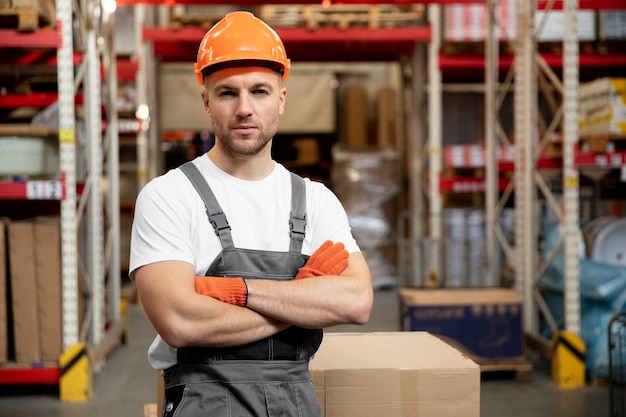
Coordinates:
(269, 377)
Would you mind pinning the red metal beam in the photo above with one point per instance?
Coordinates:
(44, 38)
(586, 4)
(38, 100)
(553, 60)
(326, 44)
(34, 375)
(121, 3)
(303, 35)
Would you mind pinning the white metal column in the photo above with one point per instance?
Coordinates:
(67, 144)
(143, 105)
(525, 141)
(95, 247)
(570, 227)
(434, 142)
(112, 252)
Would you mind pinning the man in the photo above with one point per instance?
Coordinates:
(220, 248)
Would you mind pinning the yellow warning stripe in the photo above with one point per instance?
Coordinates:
(571, 348)
(73, 361)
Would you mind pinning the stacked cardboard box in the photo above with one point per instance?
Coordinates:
(34, 256)
(4, 319)
(603, 107)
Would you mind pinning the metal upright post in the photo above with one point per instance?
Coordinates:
(416, 162)
(434, 142)
(491, 117)
(112, 174)
(95, 247)
(143, 106)
(525, 142)
(570, 173)
(67, 145)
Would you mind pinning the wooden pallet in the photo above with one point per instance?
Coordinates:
(521, 368)
(342, 16)
(603, 143)
(20, 18)
(194, 19)
(462, 172)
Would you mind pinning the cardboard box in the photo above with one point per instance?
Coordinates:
(48, 273)
(24, 292)
(394, 374)
(36, 299)
(603, 107)
(4, 319)
(486, 323)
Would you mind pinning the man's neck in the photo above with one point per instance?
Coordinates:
(250, 168)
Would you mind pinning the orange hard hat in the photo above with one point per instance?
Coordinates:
(241, 39)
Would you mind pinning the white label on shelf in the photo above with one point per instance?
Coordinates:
(43, 190)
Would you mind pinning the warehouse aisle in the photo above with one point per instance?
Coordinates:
(127, 382)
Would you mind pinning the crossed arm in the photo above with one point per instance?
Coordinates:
(185, 318)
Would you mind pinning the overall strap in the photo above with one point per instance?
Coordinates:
(297, 222)
(213, 209)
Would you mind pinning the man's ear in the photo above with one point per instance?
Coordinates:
(205, 101)
(283, 98)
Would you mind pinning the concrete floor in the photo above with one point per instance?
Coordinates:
(126, 382)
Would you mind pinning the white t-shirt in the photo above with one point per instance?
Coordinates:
(170, 223)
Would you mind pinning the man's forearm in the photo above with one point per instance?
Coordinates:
(316, 302)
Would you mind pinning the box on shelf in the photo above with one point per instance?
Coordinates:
(552, 29)
(24, 292)
(602, 107)
(611, 25)
(468, 22)
(4, 319)
(485, 323)
(394, 374)
(35, 274)
(48, 273)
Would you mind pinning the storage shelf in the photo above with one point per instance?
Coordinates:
(582, 160)
(326, 44)
(121, 3)
(541, 4)
(34, 190)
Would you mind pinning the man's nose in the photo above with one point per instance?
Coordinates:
(244, 105)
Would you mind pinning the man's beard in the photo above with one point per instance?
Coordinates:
(244, 147)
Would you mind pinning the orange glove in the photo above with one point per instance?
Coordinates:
(329, 259)
(229, 290)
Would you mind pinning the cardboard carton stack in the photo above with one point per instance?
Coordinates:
(31, 262)
(603, 107)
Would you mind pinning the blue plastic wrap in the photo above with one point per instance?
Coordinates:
(602, 295)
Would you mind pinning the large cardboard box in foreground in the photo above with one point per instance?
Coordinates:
(394, 374)
(485, 323)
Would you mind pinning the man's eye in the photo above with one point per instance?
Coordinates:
(263, 92)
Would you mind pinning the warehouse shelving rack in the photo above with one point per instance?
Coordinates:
(88, 164)
(528, 166)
